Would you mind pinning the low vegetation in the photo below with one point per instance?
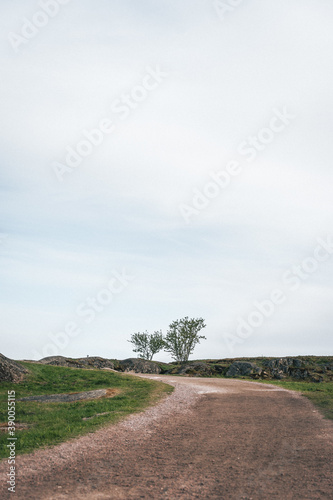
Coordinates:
(45, 424)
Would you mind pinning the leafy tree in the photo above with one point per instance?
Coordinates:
(147, 344)
(182, 337)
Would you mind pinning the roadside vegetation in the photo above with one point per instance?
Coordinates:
(46, 424)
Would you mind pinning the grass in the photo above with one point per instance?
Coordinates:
(52, 423)
(321, 394)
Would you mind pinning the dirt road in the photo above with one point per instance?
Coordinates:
(211, 439)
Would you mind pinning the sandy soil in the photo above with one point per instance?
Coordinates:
(211, 439)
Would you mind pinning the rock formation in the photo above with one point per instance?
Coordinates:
(11, 371)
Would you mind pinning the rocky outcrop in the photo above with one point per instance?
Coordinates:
(286, 367)
(195, 369)
(89, 362)
(132, 364)
(311, 368)
(139, 365)
(244, 368)
(11, 371)
(72, 396)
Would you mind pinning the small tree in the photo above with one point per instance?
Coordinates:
(182, 337)
(147, 344)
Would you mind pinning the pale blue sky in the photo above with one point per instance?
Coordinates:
(120, 208)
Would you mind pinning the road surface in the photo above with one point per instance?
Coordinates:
(211, 439)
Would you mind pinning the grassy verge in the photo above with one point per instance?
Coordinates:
(320, 394)
(52, 423)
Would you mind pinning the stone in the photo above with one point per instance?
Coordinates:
(11, 371)
(138, 365)
(243, 368)
(285, 367)
(89, 362)
(196, 369)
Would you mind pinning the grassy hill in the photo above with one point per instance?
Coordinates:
(42, 424)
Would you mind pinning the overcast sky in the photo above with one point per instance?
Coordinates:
(138, 233)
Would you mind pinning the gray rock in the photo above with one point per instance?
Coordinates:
(11, 371)
(139, 365)
(96, 362)
(197, 369)
(243, 368)
(299, 373)
(89, 362)
(66, 398)
(283, 363)
(286, 367)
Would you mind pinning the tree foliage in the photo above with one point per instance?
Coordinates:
(183, 336)
(147, 344)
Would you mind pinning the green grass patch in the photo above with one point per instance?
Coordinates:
(321, 394)
(52, 423)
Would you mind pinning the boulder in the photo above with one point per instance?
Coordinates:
(96, 362)
(89, 362)
(59, 361)
(283, 363)
(286, 367)
(196, 369)
(11, 371)
(139, 365)
(243, 368)
(299, 373)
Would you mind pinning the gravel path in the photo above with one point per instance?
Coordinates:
(211, 439)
